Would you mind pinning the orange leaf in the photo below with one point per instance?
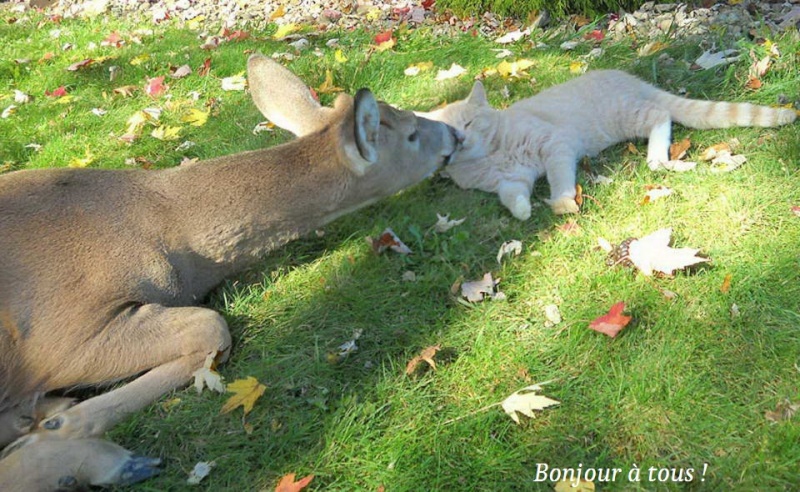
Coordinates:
(155, 87)
(204, 69)
(726, 284)
(383, 37)
(287, 483)
(753, 83)
(678, 149)
(612, 323)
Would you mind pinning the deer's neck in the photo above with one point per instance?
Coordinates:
(234, 209)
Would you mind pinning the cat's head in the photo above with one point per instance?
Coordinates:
(475, 109)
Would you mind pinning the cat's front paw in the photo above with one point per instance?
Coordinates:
(521, 208)
(564, 205)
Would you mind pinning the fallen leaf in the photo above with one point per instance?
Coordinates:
(287, 483)
(20, 97)
(211, 43)
(612, 323)
(454, 71)
(552, 315)
(204, 68)
(426, 355)
(327, 86)
(139, 59)
(388, 240)
(238, 35)
(784, 410)
(284, 30)
(277, 13)
(125, 90)
(195, 117)
(652, 253)
(166, 133)
(59, 92)
(207, 377)
(512, 247)
(726, 284)
(709, 59)
(99, 111)
(181, 72)
(85, 161)
(81, 64)
(577, 67)
(525, 401)
(339, 56)
(383, 37)
(753, 83)
(512, 36)
(245, 393)
(264, 126)
(569, 485)
(113, 39)
(569, 228)
(234, 83)
(678, 149)
(417, 68)
(796, 210)
(631, 148)
(679, 166)
(725, 162)
(654, 192)
(155, 87)
(10, 110)
(199, 472)
(715, 150)
(760, 67)
(595, 35)
(444, 224)
(478, 290)
(514, 69)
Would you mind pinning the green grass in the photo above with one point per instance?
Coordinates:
(684, 385)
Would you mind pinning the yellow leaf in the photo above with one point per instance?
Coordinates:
(195, 23)
(577, 67)
(386, 45)
(339, 56)
(279, 12)
(284, 31)
(569, 485)
(65, 99)
(136, 121)
(327, 87)
(88, 159)
(195, 117)
(245, 393)
(138, 60)
(166, 132)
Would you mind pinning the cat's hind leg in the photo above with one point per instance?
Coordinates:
(658, 129)
(516, 196)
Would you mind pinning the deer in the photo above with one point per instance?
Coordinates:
(102, 271)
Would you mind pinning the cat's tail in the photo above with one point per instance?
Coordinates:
(695, 113)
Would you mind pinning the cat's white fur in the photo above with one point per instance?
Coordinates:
(507, 150)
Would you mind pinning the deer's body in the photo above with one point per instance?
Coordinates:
(100, 270)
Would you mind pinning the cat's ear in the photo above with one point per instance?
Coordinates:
(478, 95)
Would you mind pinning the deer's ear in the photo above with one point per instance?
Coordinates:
(283, 98)
(478, 95)
(367, 125)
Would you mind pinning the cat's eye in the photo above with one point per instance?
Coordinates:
(468, 123)
(413, 137)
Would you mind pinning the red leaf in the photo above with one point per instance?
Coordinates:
(61, 91)
(155, 87)
(77, 65)
(612, 323)
(287, 483)
(596, 35)
(46, 57)
(203, 70)
(113, 39)
(796, 210)
(428, 4)
(383, 37)
(237, 36)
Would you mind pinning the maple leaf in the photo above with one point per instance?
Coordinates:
(125, 90)
(113, 39)
(715, 150)
(284, 31)
(383, 37)
(678, 149)
(426, 355)
(206, 376)
(277, 13)
(165, 132)
(612, 323)
(82, 162)
(199, 472)
(59, 92)
(512, 36)
(181, 72)
(710, 60)
(245, 393)
(652, 253)
(525, 401)
(478, 290)
(454, 71)
(388, 239)
(595, 35)
(81, 64)
(444, 224)
(155, 87)
(195, 117)
(339, 56)
(327, 86)
(204, 68)
(287, 483)
(237, 36)
(512, 247)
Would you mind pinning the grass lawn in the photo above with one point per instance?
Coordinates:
(685, 386)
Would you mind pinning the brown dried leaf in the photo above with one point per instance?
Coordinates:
(678, 150)
(426, 356)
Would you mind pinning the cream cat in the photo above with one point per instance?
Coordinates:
(507, 150)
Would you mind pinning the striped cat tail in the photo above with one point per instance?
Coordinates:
(695, 113)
